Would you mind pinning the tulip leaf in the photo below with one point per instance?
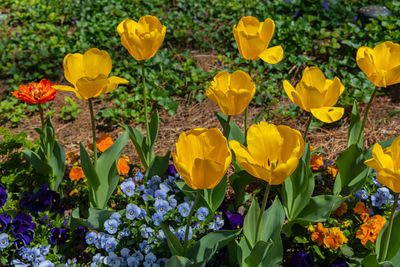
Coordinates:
(258, 117)
(298, 188)
(352, 171)
(393, 250)
(258, 253)
(139, 141)
(239, 181)
(153, 127)
(57, 162)
(158, 166)
(174, 245)
(355, 127)
(216, 195)
(76, 220)
(36, 161)
(97, 217)
(90, 174)
(178, 261)
(250, 223)
(243, 251)
(319, 208)
(204, 249)
(235, 133)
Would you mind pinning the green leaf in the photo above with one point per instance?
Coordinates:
(319, 208)
(298, 188)
(352, 171)
(258, 253)
(393, 251)
(355, 127)
(57, 162)
(97, 217)
(178, 261)
(174, 245)
(235, 133)
(158, 166)
(153, 127)
(90, 174)
(250, 223)
(239, 181)
(216, 195)
(347, 251)
(258, 117)
(139, 141)
(204, 249)
(37, 163)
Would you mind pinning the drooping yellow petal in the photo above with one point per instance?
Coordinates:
(96, 62)
(365, 60)
(328, 114)
(395, 153)
(288, 90)
(383, 159)
(333, 92)
(272, 55)
(389, 179)
(113, 83)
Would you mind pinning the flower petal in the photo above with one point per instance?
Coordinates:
(333, 92)
(206, 173)
(89, 88)
(96, 62)
(328, 114)
(272, 55)
(113, 83)
(313, 77)
(73, 67)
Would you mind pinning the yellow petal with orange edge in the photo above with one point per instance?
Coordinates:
(206, 173)
(89, 88)
(328, 114)
(96, 62)
(272, 55)
(389, 179)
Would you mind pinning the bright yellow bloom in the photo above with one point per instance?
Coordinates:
(232, 92)
(317, 95)
(142, 39)
(272, 152)
(253, 37)
(202, 157)
(381, 64)
(89, 74)
(334, 238)
(387, 164)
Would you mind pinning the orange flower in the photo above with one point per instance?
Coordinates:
(35, 93)
(334, 238)
(341, 210)
(319, 234)
(361, 210)
(316, 162)
(122, 166)
(104, 142)
(76, 173)
(332, 170)
(370, 229)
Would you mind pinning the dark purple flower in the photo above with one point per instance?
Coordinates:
(288, 1)
(65, 222)
(17, 34)
(44, 217)
(59, 235)
(73, 19)
(302, 260)
(195, 18)
(3, 195)
(22, 223)
(296, 13)
(338, 262)
(4, 221)
(184, 6)
(325, 5)
(235, 219)
(171, 167)
(50, 224)
(355, 18)
(183, 75)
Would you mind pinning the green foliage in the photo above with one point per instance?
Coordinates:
(71, 111)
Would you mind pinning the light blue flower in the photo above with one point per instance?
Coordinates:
(90, 238)
(32, 253)
(146, 231)
(202, 213)
(46, 263)
(361, 194)
(184, 209)
(116, 216)
(149, 259)
(3, 240)
(39, 260)
(124, 233)
(375, 181)
(172, 201)
(162, 262)
(132, 261)
(110, 244)
(112, 260)
(141, 188)
(138, 255)
(128, 187)
(138, 176)
(162, 207)
(161, 234)
(164, 186)
(22, 250)
(182, 231)
(154, 182)
(376, 200)
(132, 211)
(218, 224)
(111, 226)
(385, 195)
(160, 194)
(125, 252)
(157, 219)
(148, 194)
(144, 247)
(71, 263)
(98, 258)
(18, 263)
(171, 179)
(44, 250)
(143, 213)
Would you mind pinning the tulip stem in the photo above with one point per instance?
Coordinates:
(41, 114)
(190, 220)
(366, 114)
(93, 131)
(389, 231)
(246, 111)
(226, 127)
(307, 127)
(264, 204)
(146, 115)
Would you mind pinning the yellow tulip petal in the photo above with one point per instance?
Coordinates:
(298, 100)
(311, 97)
(249, 24)
(89, 88)
(389, 179)
(204, 173)
(272, 55)
(288, 90)
(64, 88)
(395, 153)
(113, 83)
(333, 92)
(393, 76)
(96, 62)
(374, 164)
(365, 60)
(313, 77)
(182, 169)
(267, 31)
(251, 46)
(73, 67)
(283, 171)
(328, 114)
(383, 160)
(294, 143)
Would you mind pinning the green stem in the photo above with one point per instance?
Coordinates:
(264, 204)
(246, 111)
(366, 114)
(307, 127)
(41, 114)
(389, 232)
(190, 220)
(226, 127)
(93, 131)
(146, 115)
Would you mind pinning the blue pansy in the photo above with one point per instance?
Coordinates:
(182, 231)
(3, 240)
(184, 209)
(138, 176)
(172, 201)
(144, 247)
(202, 213)
(116, 216)
(46, 263)
(146, 231)
(162, 207)
(111, 226)
(376, 200)
(138, 255)
(112, 260)
(110, 244)
(132, 261)
(361, 194)
(157, 219)
(149, 259)
(160, 194)
(132, 211)
(128, 187)
(90, 237)
(385, 195)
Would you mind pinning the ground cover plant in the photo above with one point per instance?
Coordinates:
(258, 194)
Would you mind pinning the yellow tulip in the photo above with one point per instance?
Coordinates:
(143, 38)
(89, 74)
(381, 64)
(272, 152)
(202, 157)
(387, 164)
(253, 37)
(232, 92)
(317, 95)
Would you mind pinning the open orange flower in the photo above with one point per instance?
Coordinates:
(76, 173)
(362, 211)
(122, 166)
(34, 93)
(104, 142)
(318, 234)
(334, 238)
(316, 162)
(341, 210)
(370, 229)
